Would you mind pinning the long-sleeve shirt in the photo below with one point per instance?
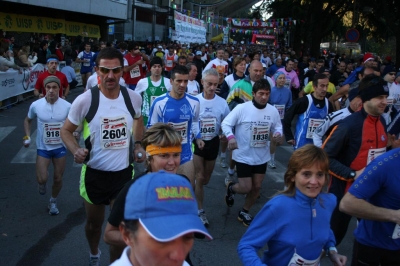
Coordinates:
(289, 225)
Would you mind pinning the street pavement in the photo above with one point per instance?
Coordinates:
(30, 236)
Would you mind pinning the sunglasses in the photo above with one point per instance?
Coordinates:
(106, 70)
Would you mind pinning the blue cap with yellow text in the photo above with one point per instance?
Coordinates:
(165, 206)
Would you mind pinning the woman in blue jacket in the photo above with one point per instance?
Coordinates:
(295, 223)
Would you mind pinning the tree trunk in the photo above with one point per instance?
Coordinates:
(397, 35)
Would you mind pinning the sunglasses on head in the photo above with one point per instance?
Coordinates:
(106, 70)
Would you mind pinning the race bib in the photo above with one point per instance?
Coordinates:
(182, 129)
(396, 232)
(312, 125)
(373, 153)
(281, 110)
(52, 133)
(135, 72)
(114, 133)
(169, 63)
(86, 62)
(220, 69)
(152, 98)
(207, 128)
(297, 260)
(259, 136)
(288, 83)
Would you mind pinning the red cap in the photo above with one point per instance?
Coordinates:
(367, 57)
(388, 58)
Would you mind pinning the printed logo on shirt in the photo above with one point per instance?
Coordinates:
(208, 109)
(152, 90)
(185, 109)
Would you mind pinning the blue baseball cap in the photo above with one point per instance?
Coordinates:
(165, 206)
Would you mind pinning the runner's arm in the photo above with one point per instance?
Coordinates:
(298, 107)
(67, 136)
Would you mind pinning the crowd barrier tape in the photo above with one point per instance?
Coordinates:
(16, 82)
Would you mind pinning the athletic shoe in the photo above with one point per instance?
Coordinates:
(223, 163)
(42, 189)
(271, 164)
(95, 261)
(228, 179)
(53, 210)
(229, 197)
(245, 218)
(203, 218)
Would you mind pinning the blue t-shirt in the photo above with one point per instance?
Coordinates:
(281, 96)
(379, 184)
(182, 114)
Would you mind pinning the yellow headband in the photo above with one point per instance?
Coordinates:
(153, 149)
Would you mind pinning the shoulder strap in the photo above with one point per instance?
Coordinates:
(128, 101)
(94, 105)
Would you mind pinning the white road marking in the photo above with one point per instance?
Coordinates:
(4, 131)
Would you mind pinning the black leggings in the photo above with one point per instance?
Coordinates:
(370, 256)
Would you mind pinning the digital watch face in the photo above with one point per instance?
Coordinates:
(206, 2)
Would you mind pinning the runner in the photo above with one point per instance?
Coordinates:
(110, 115)
(163, 146)
(159, 225)
(52, 64)
(153, 86)
(253, 121)
(295, 222)
(133, 70)
(51, 112)
(181, 111)
(213, 110)
(311, 109)
(86, 58)
(281, 98)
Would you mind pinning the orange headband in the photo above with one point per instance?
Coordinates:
(153, 149)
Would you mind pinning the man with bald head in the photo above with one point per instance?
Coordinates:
(241, 92)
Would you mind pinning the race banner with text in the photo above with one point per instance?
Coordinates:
(14, 82)
(22, 23)
(188, 29)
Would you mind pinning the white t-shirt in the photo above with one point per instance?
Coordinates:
(143, 84)
(193, 87)
(253, 130)
(212, 113)
(92, 81)
(110, 129)
(50, 118)
(394, 93)
(124, 259)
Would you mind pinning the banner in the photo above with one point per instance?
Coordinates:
(22, 23)
(255, 23)
(188, 30)
(14, 82)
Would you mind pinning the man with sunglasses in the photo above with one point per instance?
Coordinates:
(133, 70)
(112, 120)
(52, 64)
(354, 143)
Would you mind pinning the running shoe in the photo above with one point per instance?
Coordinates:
(229, 197)
(223, 163)
(53, 210)
(95, 261)
(245, 218)
(42, 189)
(271, 164)
(203, 218)
(229, 178)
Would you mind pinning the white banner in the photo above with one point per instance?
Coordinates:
(14, 82)
(188, 29)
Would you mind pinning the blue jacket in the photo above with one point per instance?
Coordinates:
(287, 224)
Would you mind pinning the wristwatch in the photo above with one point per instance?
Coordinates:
(352, 174)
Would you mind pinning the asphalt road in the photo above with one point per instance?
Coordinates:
(30, 236)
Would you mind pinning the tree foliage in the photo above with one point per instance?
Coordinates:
(319, 18)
